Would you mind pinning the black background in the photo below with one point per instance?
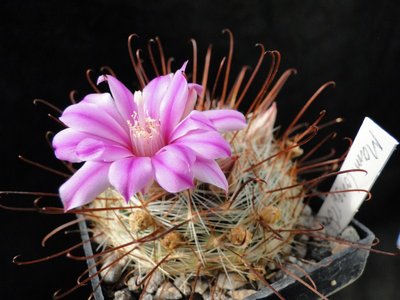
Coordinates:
(46, 46)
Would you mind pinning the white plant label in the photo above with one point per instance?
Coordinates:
(370, 151)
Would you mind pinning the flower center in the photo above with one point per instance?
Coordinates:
(144, 131)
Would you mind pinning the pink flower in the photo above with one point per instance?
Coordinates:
(129, 140)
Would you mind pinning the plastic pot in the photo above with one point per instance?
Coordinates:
(330, 275)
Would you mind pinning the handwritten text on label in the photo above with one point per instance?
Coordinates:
(370, 151)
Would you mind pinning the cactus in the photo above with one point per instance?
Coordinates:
(206, 231)
(203, 228)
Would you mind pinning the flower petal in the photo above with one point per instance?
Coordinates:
(194, 121)
(208, 171)
(106, 103)
(153, 93)
(172, 168)
(90, 118)
(226, 119)
(264, 122)
(94, 149)
(206, 144)
(173, 103)
(122, 96)
(130, 175)
(194, 91)
(65, 142)
(85, 185)
(196, 87)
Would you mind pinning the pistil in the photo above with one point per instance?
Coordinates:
(144, 131)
